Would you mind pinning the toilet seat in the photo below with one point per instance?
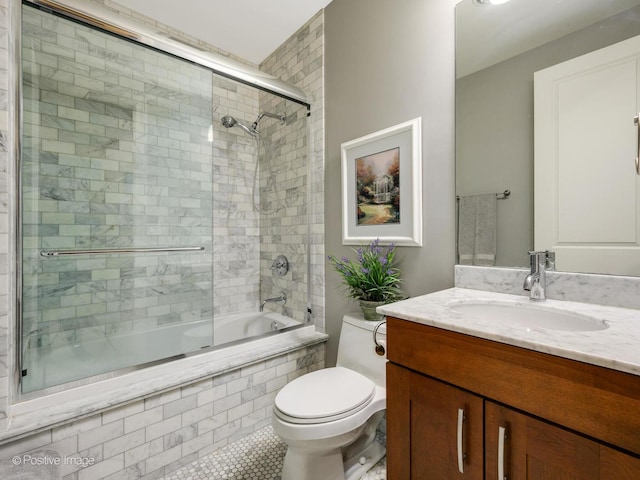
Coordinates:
(324, 396)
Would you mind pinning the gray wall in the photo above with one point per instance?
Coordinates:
(385, 63)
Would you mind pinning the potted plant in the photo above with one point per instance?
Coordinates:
(373, 280)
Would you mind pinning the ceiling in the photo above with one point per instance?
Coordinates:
(249, 29)
(253, 29)
(486, 35)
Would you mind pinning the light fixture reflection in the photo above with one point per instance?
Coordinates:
(490, 2)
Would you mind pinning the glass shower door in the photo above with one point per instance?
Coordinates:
(116, 201)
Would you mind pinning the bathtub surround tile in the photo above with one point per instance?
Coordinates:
(298, 61)
(240, 384)
(63, 406)
(30, 444)
(18, 472)
(226, 403)
(125, 411)
(167, 432)
(179, 406)
(100, 435)
(6, 206)
(236, 99)
(140, 420)
(122, 444)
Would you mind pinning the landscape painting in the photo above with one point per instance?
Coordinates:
(378, 188)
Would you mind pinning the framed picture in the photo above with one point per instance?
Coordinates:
(382, 186)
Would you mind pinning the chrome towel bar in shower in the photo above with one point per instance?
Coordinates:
(98, 251)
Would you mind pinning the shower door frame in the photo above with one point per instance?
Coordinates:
(105, 20)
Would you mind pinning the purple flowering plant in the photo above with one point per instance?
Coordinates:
(374, 276)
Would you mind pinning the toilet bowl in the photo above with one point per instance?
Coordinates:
(328, 418)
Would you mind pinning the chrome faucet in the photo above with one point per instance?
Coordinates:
(281, 299)
(536, 282)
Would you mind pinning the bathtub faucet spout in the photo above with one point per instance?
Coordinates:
(280, 299)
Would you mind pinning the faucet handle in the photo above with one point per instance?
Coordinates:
(535, 282)
(536, 257)
(280, 265)
(543, 256)
(550, 261)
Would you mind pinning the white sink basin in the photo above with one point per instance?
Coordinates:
(529, 315)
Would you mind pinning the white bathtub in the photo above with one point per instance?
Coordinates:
(71, 362)
(232, 328)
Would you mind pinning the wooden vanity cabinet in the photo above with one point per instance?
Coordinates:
(537, 450)
(426, 442)
(561, 419)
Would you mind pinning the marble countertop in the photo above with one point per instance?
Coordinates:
(616, 347)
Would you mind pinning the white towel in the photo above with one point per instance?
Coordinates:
(477, 229)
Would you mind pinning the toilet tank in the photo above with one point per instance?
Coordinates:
(356, 349)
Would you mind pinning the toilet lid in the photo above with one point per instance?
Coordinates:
(324, 395)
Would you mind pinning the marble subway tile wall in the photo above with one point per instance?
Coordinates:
(152, 437)
(236, 227)
(237, 279)
(311, 80)
(284, 204)
(298, 61)
(115, 155)
(5, 190)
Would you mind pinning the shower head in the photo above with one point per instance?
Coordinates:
(228, 122)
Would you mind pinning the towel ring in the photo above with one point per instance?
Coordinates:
(380, 350)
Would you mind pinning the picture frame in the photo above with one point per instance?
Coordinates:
(382, 186)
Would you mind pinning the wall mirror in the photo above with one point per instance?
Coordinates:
(499, 49)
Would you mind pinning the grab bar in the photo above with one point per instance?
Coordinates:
(98, 251)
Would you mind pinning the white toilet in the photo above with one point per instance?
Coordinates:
(328, 418)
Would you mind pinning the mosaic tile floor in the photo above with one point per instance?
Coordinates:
(258, 456)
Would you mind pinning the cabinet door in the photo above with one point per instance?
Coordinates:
(536, 450)
(398, 422)
(435, 431)
(615, 465)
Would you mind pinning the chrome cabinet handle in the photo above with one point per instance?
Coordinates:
(636, 122)
(502, 435)
(459, 442)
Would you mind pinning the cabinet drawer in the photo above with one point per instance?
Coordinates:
(592, 400)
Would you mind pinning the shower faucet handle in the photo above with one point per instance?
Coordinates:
(280, 265)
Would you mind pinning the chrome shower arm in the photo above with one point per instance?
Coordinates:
(282, 118)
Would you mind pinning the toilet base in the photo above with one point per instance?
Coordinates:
(331, 466)
(354, 470)
(328, 466)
